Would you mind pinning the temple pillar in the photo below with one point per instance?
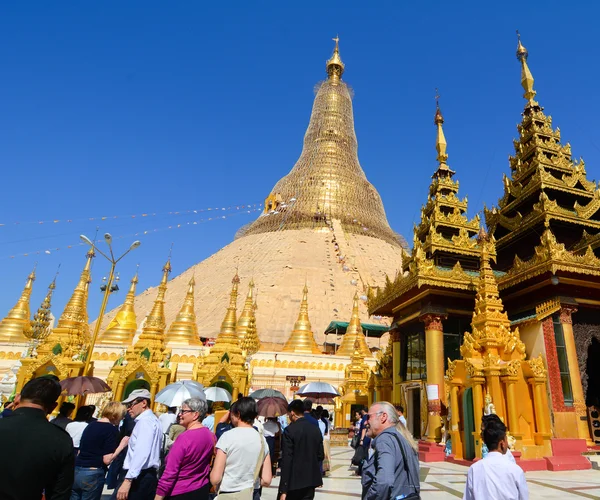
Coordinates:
(541, 411)
(477, 382)
(235, 394)
(454, 430)
(583, 430)
(119, 391)
(434, 354)
(512, 407)
(396, 353)
(153, 388)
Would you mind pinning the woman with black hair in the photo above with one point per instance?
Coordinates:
(76, 428)
(242, 455)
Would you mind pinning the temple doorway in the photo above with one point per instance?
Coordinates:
(138, 383)
(413, 411)
(469, 425)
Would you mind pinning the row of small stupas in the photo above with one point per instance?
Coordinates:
(544, 238)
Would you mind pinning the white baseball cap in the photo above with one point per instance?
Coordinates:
(138, 394)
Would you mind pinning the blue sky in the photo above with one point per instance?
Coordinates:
(124, 108)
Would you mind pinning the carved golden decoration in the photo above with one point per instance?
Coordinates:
(537, 367)
(547, 308)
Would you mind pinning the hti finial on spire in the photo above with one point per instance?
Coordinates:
(335, 66)
(439, 119)
(526, 76)
(521, 50)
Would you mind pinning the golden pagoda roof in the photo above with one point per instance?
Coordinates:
(354, 337)
(72, 332)
(14, 326)
(152, 339)
(327, 182)
(184, 330)
(247, 313)
(302, 339)
(123, 326)
(546, 189)
(445, 251)
(40, 325)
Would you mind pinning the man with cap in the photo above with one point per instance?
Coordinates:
(139, 479)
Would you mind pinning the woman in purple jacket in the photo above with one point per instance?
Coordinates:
(186, 475)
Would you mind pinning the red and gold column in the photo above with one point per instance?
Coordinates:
(566, 320)
(396, 353)
(434, 354)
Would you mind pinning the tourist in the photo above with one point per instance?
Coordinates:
(224, 424)
(97, 449)
(64, 415)
(308, 413)
(364, 440)
(139, 475)
(168, 419)
(38, 457)
(116, 465)
(93, 411)
(401, 417)
(76, 428)
(188, 463)
(242, 460)
(272, 433)
(495, 477)
(302, 451)
(326, 442)
(392, 470)
(209, 421)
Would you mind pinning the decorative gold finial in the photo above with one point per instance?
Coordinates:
(526, 76)
(440, 141)
(439, 119)
(335, 66)
(354, 333)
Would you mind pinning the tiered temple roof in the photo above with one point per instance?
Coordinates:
(445, 252)
(547, 191)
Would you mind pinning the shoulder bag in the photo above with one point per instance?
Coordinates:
(246, 494)
(412, 496)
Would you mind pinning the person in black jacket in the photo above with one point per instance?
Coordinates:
(40, 457)
(302, 451)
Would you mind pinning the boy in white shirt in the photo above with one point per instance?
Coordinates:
(495, 477)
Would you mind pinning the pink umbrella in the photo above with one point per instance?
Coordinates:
(79, 386)
(272, 407)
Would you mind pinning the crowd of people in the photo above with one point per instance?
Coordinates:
(140, 456)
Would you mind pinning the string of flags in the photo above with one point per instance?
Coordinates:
(241, 209)
(136, 216)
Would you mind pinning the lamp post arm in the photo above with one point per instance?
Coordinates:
(122, 255)
(96, 249)
(98, 324)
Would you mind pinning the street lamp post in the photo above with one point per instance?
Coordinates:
(108, 288)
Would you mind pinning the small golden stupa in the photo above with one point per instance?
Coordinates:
(123, 326)
(302, 338)
(354, 334)
(17, 320)
(184, 330)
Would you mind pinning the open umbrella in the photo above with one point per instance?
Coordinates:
(317, 390)
(272, 407)
(79, 386)
(217, 394)
(176, 393)
(268, 393)
(323, 400)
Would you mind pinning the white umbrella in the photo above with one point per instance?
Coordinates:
(318, 390)
(176, 393)
(217, 394)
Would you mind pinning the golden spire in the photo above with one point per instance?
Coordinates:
(244, 320)
(72, 332)
(335, 66)
(440, 142)
(354, 334)
(152, 335)
(230, 321)
(123, 326)
(16, 322)
(250, 343)
(526, 76)
(43, 316)
(184, 330)
(302, 338)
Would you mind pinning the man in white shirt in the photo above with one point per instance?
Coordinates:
(209, 421)
(401, 416)
(168, 419)
(143, 454)
(495, 477)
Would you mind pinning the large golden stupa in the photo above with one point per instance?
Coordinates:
(323, 224)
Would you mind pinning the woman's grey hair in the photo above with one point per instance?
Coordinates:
(389, 410)
(197, 404)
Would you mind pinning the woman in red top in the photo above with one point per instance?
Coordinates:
(186, 475)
